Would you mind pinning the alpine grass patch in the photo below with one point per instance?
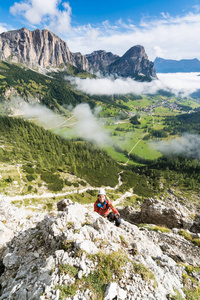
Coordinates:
(108, 268)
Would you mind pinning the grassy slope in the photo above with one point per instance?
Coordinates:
(53, 92)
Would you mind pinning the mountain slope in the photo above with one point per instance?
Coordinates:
(53, 90)
(17, 81)
(77, 254)
(24, 142)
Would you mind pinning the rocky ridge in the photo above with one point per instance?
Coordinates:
(100, 60)
(38, 48)
(46, 256)
(42, 48)
(133, 63)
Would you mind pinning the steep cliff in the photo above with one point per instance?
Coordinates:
(44, 48)
(133, 63)
(38, 48)
(99, 60)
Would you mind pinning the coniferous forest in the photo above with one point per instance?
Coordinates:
(27, 142)
(46, 154)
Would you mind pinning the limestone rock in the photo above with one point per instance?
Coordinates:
(42, 48)
(156, 212)
(37, 259)
(38, 48)
(133, 63)
(62, 204)
(113, 291)
(100, 60)
(6, 235)
(196, 224)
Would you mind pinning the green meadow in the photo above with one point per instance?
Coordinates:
(136, 139)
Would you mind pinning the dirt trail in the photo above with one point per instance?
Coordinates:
(51, 195)
(20, 176)
(134, 148)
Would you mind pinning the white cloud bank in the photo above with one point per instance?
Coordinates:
(86, 125)
(164, 35)
(181, 84)
(187, 145)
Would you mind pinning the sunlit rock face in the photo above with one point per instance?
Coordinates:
(100, 60)
(45, 49)
(38, 48)
(133, 63)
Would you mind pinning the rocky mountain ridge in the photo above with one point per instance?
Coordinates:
(134, 61)
(100, 60)
(38, 48)
(42, 48)
(62, 254)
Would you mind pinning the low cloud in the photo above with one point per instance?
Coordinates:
(181, 84)
(187, 145)
(88, 127)
(32, 110)
(85, 124)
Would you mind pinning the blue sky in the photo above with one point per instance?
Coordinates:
(168, 29)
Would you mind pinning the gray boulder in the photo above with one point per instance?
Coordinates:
(156, 212)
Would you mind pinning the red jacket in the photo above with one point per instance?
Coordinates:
(104, 210)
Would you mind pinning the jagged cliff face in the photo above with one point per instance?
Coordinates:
(133, 63)
(37, 47)
(99, 60)
(45, 49)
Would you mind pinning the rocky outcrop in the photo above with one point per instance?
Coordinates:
(44, 48)
(100, 60)
(133, 63)
(196, 224)
(49, 255)
(38, 48)
(156, 212)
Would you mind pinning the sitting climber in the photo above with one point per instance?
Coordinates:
(103, 206)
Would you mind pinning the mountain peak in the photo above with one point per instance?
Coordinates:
(135, 51)
(133, 64)
(44, 48)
